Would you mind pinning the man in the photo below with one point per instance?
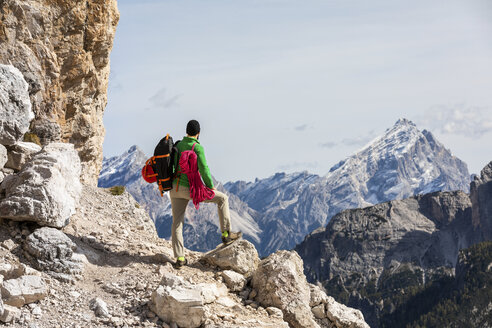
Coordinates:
(180, 196)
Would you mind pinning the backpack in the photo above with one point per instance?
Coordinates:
(161, 168)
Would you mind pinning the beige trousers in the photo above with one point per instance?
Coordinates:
(179, 201)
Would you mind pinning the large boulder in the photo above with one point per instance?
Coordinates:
(175, 300)
(181, 305)
(24, 290)
(179, 301)
(240, 256)
(15, 105)
(279, 281)
(52, 251)
(20, 153)
(46, 190)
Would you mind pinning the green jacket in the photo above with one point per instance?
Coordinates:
(187, 144)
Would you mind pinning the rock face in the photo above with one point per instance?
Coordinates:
(394, 247)
(62, 49)
(481, 197)
(15, 105)
(24, 290)
(240, 256)
(52, 251)
(47, 189)
(279, 281)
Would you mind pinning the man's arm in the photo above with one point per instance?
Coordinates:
(203, 167)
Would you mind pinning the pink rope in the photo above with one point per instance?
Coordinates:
(189, 165)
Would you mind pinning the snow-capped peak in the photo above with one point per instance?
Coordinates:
(401, 162)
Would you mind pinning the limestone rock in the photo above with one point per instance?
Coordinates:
(234, 281)
(1, 301)
(180, 304)
(240, 256)
(9, 271)
(10, 314)
(20, 153)
(24, 290)
(343, 316)
(177, 300)
(62, 48)
(279, 281)
(317, 296)
(210, 292)
(275, 312)
(47, 190)
(5, 269)
(3, 156)
(52, 251)
(99, 307)
(47, 131)
(319, 311)
(15, 105)
(480, 195)
(226, 301)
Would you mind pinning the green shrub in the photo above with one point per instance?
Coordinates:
(117, 190)
(32, 137)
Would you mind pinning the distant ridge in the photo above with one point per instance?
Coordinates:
(400, 163)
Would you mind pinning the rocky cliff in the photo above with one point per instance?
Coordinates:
(369, 257)
(481, 198)
(62, 49)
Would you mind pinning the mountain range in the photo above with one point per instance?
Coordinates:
(279, 211)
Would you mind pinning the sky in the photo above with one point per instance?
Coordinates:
(294, 85)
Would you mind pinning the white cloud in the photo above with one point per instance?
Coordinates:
(468, 121)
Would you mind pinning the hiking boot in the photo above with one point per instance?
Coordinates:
(180, 262)
(229, 237)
